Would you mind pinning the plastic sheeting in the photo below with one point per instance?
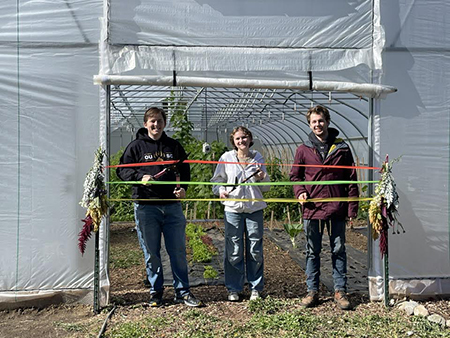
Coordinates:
(252, 35)
(50, 130)
(414, 124)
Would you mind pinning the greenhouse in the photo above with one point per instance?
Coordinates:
(79, 74)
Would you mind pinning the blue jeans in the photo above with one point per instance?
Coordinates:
(314, 230)
(238, 226)
(152, 220)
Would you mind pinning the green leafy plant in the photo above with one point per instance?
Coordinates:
(119, 210)
(363, 207)
(199, 243)
(199, 172)
(293, 230)
(210, 272)
(279, 191)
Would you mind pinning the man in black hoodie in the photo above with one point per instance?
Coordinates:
(155, 210)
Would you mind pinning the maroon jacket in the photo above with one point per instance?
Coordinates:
(339, 154)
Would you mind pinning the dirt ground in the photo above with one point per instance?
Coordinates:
(283, 279)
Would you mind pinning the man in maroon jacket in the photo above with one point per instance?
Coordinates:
(324, 148)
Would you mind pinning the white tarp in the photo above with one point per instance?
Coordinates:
(244, 36)
(50, 130)
(414, 124)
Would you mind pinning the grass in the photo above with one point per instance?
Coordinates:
(71, 327)
(271, 317)
(268, 317)
(125, 257)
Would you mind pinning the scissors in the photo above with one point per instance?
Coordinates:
(172, 167)
(236, 182)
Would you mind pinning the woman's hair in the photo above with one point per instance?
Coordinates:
(246, 132)
(152, 111)
(320, 110)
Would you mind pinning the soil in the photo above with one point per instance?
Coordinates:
(283, 279)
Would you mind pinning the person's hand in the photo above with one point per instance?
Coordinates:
(147, 178)
(302, 198)
(260, 175)
(224, 194)
(179, 193)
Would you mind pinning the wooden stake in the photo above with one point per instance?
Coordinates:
(271, 219)
(288, 215)
(195, 210)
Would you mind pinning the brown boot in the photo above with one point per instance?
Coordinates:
(340, 298)
(311, 299)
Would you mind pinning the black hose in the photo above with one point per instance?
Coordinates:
(102, 330)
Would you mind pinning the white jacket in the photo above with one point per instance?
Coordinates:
(228, 172)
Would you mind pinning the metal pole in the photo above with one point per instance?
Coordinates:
(370, 190)
(386, 272)
(96, 274)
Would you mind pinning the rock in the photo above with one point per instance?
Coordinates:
(438, 319)
(420, 310)
(447, 323)
(408, 307)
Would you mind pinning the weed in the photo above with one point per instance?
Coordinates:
(71, 327)
(210, 272)
(129, 330)
(268, 305)
(125, 258)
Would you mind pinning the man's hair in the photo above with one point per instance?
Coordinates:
(246, 132)
(320, 110)
(153, 111)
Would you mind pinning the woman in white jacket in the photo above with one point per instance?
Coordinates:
(243, 219)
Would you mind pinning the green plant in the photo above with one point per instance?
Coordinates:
(199, 172)
(124, 257)
(119, 210)
(129, 330)
(201, 252)
(267, 305)
(71, 327)
(363, 207)
(293, 229)
(280, 191)
(210, 272)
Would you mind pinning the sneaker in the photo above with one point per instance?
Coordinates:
(188, 299)
(233, 296)
(311, 299)
(156, 299)
(340, 298)
(255, 295)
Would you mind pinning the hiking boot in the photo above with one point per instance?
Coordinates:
(156, 299)
(233, 296)
(340, 298)
(311, 299)
(188, 299)
(255, 295)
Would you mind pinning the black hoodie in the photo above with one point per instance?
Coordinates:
(145, 149)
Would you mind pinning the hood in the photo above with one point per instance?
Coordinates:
(332, 135)
(142, 134)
